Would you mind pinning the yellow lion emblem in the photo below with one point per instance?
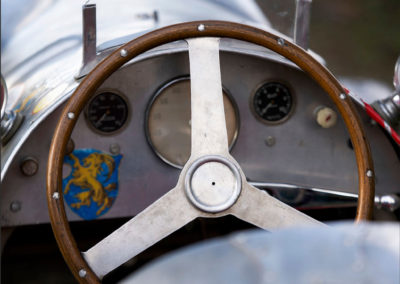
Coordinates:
(85, 177)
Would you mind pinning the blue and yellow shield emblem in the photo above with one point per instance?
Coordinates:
(92, 186)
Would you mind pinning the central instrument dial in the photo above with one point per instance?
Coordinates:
(168, 124)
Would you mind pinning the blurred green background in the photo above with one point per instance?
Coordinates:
(357, 38)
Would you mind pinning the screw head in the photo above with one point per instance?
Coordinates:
(281, 41)
(82, 273)
(370, 174)
(270, 141)
(201, 28)
(15, 206)
(29, 166)
(124, 53)
(115, 149)
(71, 115)
(342, 96)
(56, 195)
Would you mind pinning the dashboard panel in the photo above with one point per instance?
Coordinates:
(275, 137)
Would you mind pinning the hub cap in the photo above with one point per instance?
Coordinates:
(213, 183)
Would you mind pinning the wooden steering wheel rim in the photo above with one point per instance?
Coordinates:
(105, 68)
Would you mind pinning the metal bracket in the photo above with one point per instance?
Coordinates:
(88, 40)
(302, 23)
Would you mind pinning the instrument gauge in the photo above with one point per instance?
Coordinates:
(168, 122)
(107, 112)
(273, 102)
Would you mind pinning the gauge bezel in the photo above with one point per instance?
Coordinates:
(159, 91)
(291, 111)
(124, 125)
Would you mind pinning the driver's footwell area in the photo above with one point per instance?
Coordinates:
(32, 256)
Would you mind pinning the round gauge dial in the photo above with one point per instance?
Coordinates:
(107, 112)
(273, 102)
(168, 122)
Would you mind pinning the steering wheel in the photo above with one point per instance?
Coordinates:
(211, 183)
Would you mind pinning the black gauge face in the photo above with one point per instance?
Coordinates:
(273, 102)
(107, 112)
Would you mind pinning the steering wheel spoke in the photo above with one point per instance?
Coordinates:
(261, 209)
(168, 214)
(209, 134)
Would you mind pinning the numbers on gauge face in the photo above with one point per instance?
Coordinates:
(273, 102)
(107, 112)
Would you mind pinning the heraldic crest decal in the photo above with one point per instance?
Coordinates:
(92, 186)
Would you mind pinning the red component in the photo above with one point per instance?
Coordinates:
(375, 116)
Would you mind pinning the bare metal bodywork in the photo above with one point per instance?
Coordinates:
(42, 75)
(272, 169)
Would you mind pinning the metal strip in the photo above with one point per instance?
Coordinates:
(165, 216)
(260, 209)
(302, 23)
(209, 135)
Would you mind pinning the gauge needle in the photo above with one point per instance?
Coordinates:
(101, 119)
(264, 110)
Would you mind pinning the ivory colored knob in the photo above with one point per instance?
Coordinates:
(326, 117)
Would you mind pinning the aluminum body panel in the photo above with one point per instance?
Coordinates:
(35, 100)
(304, 153)
(132, 18)
(39, 67)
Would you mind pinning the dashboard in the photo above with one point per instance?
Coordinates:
(282, 128)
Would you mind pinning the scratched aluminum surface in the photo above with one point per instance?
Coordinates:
(41, 53)
(144, 177)
(44, 81)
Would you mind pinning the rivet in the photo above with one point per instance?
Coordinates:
(71, 115)
(281, 41)
(342, 96)
(115, 149)
(56, 195)
(82, 273)
(15, 206)
(370, 174)
(29, 166)
(201, 28)
(270, 141)
(124, 53)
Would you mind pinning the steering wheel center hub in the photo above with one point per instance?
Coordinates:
(213, 183)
